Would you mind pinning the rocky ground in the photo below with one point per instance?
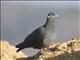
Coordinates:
(66, 51)
(8, 52)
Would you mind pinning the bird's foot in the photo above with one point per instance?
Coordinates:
(45, 49)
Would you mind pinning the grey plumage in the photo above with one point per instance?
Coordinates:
(33, 40)
(38, 37)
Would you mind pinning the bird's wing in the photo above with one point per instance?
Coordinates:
(35, 38)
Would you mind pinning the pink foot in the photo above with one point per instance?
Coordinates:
(45, 49)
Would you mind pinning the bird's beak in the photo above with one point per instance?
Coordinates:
(57, 16)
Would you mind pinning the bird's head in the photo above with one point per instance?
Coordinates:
(52, 15)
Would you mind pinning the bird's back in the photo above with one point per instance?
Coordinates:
(35, 40)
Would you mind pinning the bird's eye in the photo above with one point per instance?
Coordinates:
(53, 14)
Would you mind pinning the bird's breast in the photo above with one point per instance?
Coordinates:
(49, 38)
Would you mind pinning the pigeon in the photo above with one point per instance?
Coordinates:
(41, 37)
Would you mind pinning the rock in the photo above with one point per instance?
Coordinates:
(8, 52)
(66, 51)
(61, 51)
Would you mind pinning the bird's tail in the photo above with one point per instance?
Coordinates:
(20, 47)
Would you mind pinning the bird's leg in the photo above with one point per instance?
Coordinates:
(45, 49)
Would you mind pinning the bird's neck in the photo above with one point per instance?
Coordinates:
(49, 25)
